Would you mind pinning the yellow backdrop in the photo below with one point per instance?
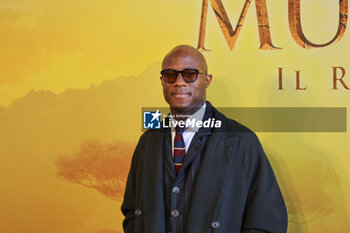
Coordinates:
(74, 75)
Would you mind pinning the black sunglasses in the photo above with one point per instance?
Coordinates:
(189, 75)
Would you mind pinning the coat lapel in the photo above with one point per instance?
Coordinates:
(198, 143)
(169, 166)
(210, 179)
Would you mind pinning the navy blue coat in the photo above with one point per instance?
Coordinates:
(235, 190)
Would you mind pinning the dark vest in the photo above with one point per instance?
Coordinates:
(178, 188)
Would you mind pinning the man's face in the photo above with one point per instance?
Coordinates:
(180, 95)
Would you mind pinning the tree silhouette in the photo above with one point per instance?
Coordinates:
(97, 165)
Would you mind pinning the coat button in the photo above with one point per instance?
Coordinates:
(176, 189)
(175, 213)
(138, 212)
(215, 224)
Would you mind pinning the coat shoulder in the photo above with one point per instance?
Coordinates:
(234, 127)
(150, 134)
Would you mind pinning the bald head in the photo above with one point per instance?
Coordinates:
(186, 52)
(183, 96)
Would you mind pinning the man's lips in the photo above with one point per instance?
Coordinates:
(181, 94)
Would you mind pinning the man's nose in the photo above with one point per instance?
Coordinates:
(180, 80)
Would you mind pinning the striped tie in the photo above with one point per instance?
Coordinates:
(179, 148)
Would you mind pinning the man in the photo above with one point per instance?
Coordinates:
(199, 179)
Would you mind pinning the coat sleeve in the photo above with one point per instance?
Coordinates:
(265, 210)
(129, 201)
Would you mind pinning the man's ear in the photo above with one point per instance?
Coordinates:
(161, 81)
(208, 79)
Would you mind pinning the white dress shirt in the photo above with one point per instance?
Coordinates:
(190, 131)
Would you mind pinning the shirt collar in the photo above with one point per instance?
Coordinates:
(197, 116)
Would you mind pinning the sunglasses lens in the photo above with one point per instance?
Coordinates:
(190, 75)
(169, 76)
